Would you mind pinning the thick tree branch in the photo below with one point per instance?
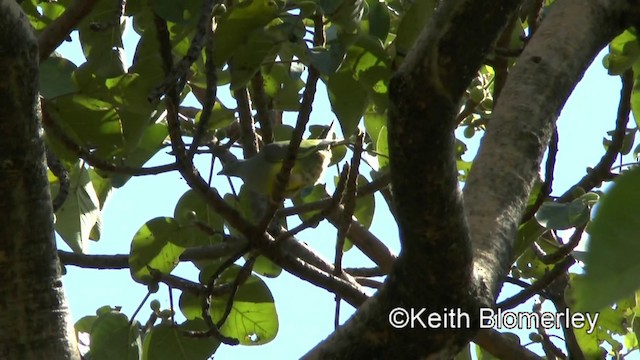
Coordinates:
(54, 34)
(34, 316)
(503, 347)
(436, 250)
(568, 39)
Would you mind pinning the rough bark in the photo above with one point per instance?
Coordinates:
(434, 268)
(34, 317)
(455, 255)
(551, 65)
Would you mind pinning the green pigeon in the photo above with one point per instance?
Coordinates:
(259, 172)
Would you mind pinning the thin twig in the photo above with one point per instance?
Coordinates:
(547, 186)
(365, 272)
(248, 136)
(177, 282)
(349, 204)
(62, 174)
(197, 43)
(602, 171)
(294, 144)
(538, 286)
(566, 249)
(549, 348)
(206, 300)
(261, 240)
(263, 113)
(374, 284)
(365, 190)
(240, 279)
(316, 218)
(137, 310)
(98, 163)
(556, 292)
(209, 94)
(365, 241)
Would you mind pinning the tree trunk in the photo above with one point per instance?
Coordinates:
(34, 317)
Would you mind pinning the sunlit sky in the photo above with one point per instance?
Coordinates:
(306, 312)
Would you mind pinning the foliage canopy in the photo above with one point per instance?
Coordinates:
(104, 120)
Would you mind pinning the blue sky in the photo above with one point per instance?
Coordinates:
(305, 311)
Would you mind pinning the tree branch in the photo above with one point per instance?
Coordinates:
(54, 34)
(121, 261)
(502, 347)
(35, 318)
(602, 171)
(98, 163)
(436, 250)
(552, 63)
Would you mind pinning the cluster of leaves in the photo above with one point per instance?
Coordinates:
(101, 109)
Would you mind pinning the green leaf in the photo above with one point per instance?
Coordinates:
(181, 12)
(329, 58)
(85, 324)
(150, 143)
(101, 31)
(155, 246)
(190, 306)
(266, 267)
(561, 216)
(283, 85)
(102, 187)
(635, 95)
(379, 19)
(527, 234)
(55, 77)
(237, 25)
(147, 61)
(113, 338)
(374, 122)
(465, 353)
(412, 24)
(348, 100)
(317, 193)
(93, 123)
(43, 14)
(613, 245)
(165, 341)
(635, 335)
(253, 319)
(365, 205)
(624, 52)
(249, 58)
(346, 15)
(80, 212)
(221, 116)
(198, 220)
(382, 148)
(610, 322)
(107, 63)
(129, 94)
(530, 265)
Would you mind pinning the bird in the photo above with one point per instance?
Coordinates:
(259, 172)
